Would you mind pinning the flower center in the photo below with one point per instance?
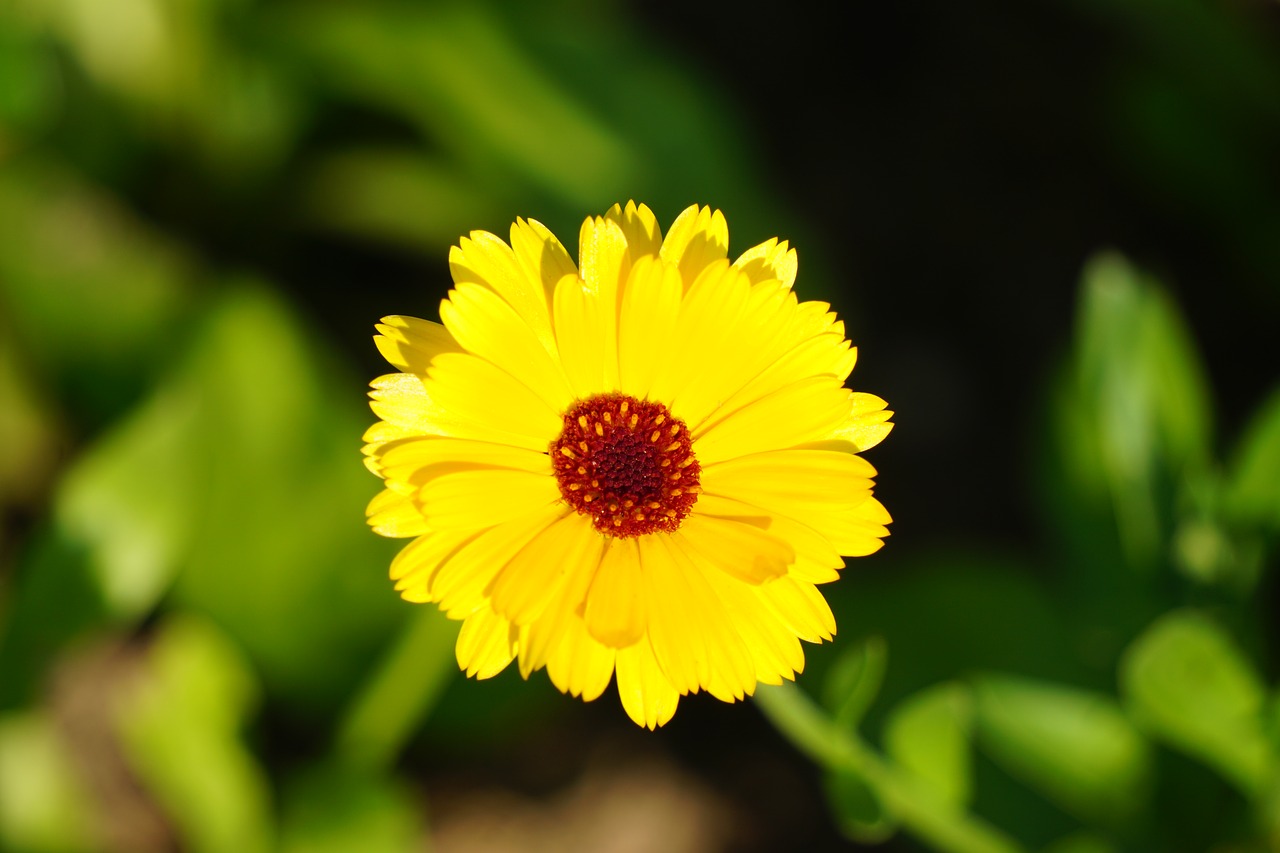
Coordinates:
(627, 463)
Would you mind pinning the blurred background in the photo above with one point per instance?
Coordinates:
(1053, 230)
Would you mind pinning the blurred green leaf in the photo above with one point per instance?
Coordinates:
(1186, 683)
(854, 681)
(91, 297)
(928, 735)
(950, 612)
(1142, 394)
(1253, 485)
(850, 688)
(400, 693)
(181, 733)
(280, 555)
(1075, 746)
(456, 71)
(29, 431)
(335, 810)
(43, 806)
(1081, 842)
(55, 598)
(178, 73)
(137, 528)
(857, 809)
(814, 733)
(31, 93)
(396, 195)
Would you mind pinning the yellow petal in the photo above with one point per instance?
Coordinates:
(580, 336)
(461, 581)
(474, 399)
(640, 226)
(482, 497)
(615, 610)
(855, 531)
(791, 481)
(800, 607)
(418, 561)
(744, 551)
(377, 436)
(824, 355)
(393, 514)
(486, 644)
(775, 652)
(647, 696)
(604, 264)
(402, 401)
(414, 460)
(562, 615)
(382, 432)
(795, 414)
(487, 261)
(410, 343)
(867, 423)
(708, 314)
(579, 665)
(541, 256)
(770, 260)
(698, 238)
(692, 633)
(817, 560)
(525, 586)
(646, 332)
(488, 327)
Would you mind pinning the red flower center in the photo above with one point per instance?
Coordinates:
(627, 463)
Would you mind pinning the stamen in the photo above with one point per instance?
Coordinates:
(612, 464)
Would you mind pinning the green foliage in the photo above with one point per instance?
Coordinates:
(851, 688)
(43, 805)
(929, 734)
(1150, 522)
(1187, 684)
(181, 732)
(1076, 746)
(180, 472)
(1253, 488)
(333, 810)
(854, 680)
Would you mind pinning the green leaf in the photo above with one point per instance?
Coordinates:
(1186, 683)
(402, 197)
(332, 809)
(275, 520)
(857, 809)
(400, 693)
(459, 73)
(854, 681)
(1253, 485)
(137, 529)
(929, 735)
(181, 733)
(92, 297)
(1075, 746)
(1081, 842)
(43, 805)
(1139, 409)
(28, 431)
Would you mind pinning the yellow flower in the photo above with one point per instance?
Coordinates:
(643, 464)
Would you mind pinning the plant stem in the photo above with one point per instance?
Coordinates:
(813, 733)
(400, 694)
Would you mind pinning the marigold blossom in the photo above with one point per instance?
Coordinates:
(641, 465)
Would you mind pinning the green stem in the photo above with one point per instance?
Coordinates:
(813, 733)
(394, 702)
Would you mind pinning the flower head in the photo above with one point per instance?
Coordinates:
(641, 465)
